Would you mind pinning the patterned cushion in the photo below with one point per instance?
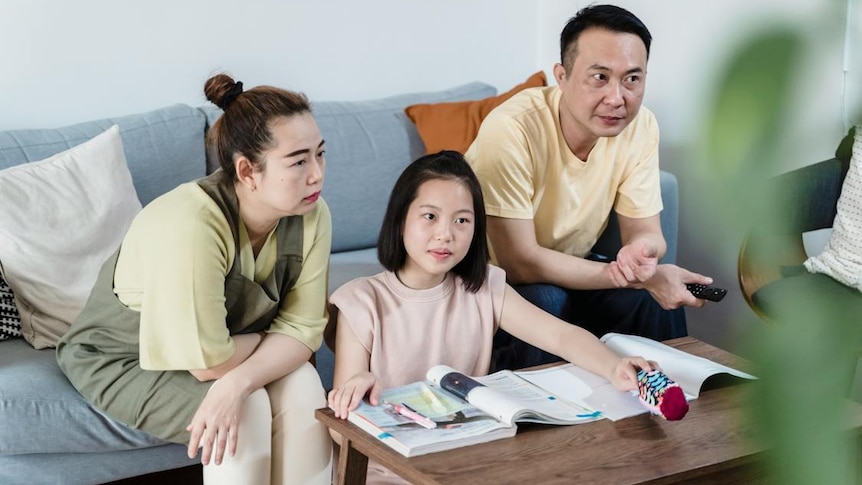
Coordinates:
(842, 257)
(10, 320)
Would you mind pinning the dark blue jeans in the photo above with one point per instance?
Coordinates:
(598, 311)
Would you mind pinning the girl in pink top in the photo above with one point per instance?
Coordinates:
(440, 288)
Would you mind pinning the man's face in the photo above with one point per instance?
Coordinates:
(604, 89)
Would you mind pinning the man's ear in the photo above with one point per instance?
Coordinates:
(559, 73)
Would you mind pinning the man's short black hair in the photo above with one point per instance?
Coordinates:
(608, 17)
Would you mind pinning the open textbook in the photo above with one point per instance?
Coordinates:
(587, 389)
(449, 409)
(461, 411)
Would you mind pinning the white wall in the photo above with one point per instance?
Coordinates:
(853, 64)
(65, 62)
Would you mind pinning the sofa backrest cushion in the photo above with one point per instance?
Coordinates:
(164, 148)
(368, 144)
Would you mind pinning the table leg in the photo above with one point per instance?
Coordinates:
(352, 465)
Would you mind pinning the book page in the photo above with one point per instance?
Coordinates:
(689, 371)
(587, 389)
(590, 390)
(511, 398)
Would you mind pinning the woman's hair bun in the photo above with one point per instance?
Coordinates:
(221, 90)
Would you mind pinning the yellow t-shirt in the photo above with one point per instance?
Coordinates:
(528, 172)
(172, 269)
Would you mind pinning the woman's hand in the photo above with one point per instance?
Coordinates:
(347, 396)
(625, 374)
(216, 423)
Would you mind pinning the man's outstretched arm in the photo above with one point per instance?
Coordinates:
(525, 261)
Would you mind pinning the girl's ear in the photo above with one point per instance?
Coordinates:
(245, 172)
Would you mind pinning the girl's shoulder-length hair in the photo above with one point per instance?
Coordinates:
(444, 165)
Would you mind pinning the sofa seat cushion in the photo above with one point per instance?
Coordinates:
(90, 468)
(42, 413)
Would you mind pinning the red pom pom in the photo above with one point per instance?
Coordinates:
(673, 404)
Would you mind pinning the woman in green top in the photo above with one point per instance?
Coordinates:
(200, 327)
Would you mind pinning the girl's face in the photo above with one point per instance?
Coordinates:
(291, 181)
(438, 231)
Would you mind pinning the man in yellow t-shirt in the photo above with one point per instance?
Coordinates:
(554, 162)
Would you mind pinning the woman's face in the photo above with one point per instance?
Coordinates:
(438, 231)
(292, 177)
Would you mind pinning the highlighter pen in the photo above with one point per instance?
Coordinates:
(411, 414)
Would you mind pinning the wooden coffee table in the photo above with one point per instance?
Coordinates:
(712, 444)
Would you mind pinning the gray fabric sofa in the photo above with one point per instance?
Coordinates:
(48, 433)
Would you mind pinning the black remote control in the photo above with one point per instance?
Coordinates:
(706, 292)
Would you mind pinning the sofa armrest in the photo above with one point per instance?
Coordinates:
(609, 242)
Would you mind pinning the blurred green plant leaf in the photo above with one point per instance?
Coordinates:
(806, 361)
(806, 357)
(745, 128)
(752, 102)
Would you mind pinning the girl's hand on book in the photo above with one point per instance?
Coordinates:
(625, 375)
(346, 397)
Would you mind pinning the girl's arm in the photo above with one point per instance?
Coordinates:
(533, 325)
(352, 379)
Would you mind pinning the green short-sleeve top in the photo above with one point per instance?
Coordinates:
(173, 265)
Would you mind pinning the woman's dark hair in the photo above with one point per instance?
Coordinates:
(608, 17)
(445, 165)
(244, 128)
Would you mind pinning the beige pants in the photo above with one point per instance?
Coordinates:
(279, 440)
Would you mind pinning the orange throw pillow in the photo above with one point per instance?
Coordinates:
(454, 125)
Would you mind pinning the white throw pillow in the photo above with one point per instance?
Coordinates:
(62, 218)
(842, 257)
